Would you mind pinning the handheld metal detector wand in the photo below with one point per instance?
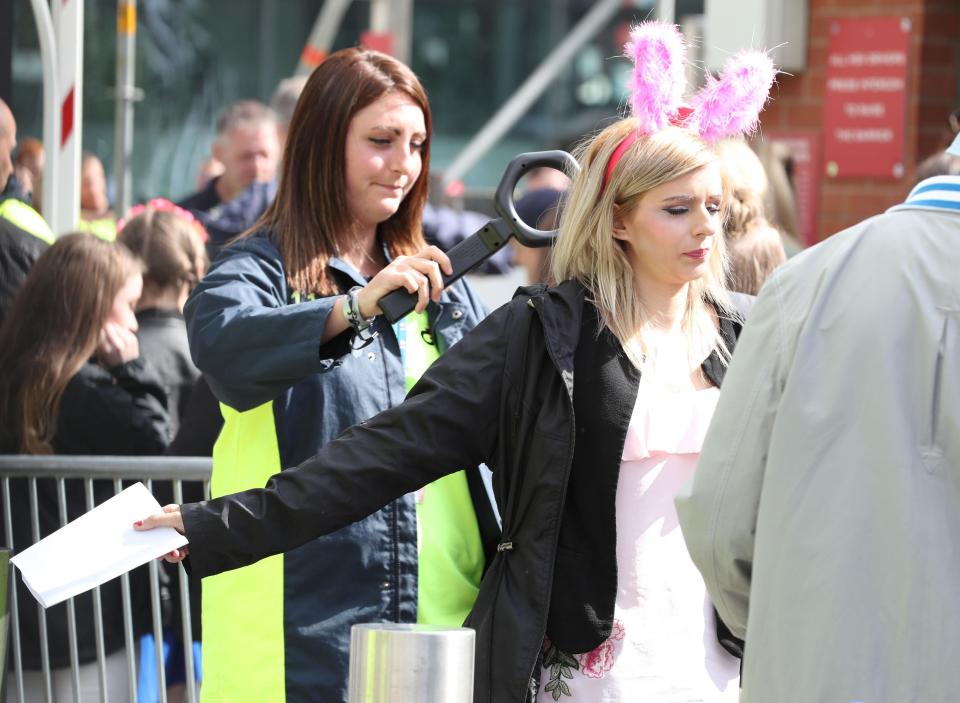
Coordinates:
(494, 235)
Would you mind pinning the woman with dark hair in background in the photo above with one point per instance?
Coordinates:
(73, 383)
(286, 330)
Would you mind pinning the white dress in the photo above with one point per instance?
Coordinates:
(663, 648)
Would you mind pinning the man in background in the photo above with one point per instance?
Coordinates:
(96, 217)
(24, 235)
(247, 146)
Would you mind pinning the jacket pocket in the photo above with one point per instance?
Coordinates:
(944, 390)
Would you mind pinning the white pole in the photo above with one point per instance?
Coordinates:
(68, 26)
(666, 10)
(558, 60)
(51, 105)
(394, 17)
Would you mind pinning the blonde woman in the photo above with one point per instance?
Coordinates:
(589, 400)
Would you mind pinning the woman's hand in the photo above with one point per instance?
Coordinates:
(420, 274)
(170, 517)
(116, 345)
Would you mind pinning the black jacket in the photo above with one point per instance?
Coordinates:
(19, 250)
(120, 412)
(164, 347)
(505, 396)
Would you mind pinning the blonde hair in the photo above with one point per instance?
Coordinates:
(754, 246)
(587, 251)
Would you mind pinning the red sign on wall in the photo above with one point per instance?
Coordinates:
(805, 150)
(866, 94)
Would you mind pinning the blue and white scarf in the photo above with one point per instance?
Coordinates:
(937, 193)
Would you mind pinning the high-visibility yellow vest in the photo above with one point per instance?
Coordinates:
(104, 228)
(26, 218)
(450, 560)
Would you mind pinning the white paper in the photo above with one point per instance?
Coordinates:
(96, 547)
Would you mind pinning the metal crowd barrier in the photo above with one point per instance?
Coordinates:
(4, 619)
(86, 469)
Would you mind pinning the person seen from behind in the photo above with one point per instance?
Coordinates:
(825, 509)
(756, 247)
(169, 242)
(168, 239)
(943, 163)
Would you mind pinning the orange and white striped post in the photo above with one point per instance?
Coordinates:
(322, 35)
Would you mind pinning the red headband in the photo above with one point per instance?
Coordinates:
(628, 141)
(678, 120)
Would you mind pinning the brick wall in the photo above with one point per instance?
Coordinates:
(934, 73)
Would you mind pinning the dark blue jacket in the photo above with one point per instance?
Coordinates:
(255, 346)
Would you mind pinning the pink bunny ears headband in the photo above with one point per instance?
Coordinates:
(723, 107)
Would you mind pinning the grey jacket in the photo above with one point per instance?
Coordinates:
(825, 512)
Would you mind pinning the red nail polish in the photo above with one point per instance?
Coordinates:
(138, 523)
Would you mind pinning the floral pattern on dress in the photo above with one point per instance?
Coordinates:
(597, 663)
(594, 664)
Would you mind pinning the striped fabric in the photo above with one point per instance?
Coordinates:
(937, 193)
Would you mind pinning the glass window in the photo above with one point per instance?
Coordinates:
(195, 57)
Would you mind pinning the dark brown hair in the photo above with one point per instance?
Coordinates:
(52, 328)
(168, 245)
(310, 210)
